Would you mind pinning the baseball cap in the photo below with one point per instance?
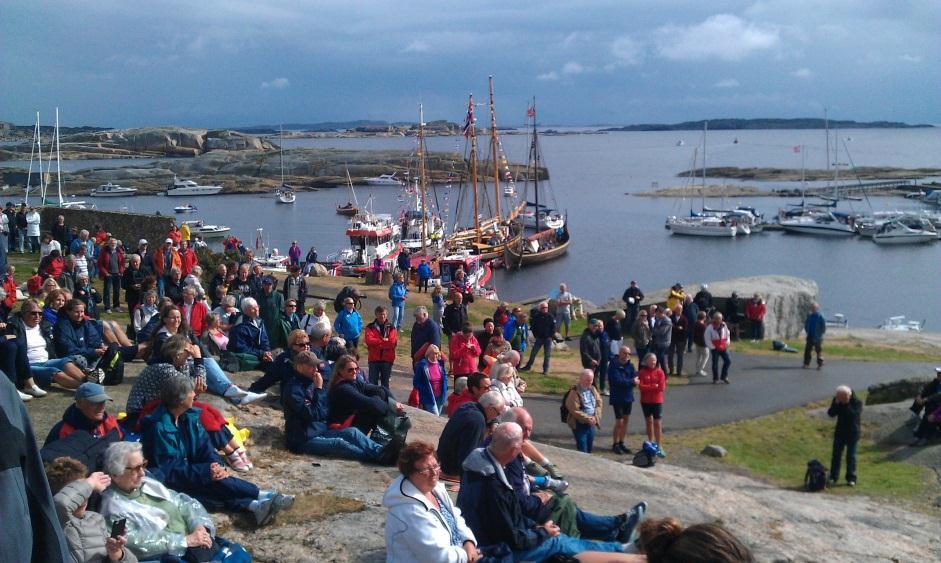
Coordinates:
(268, 280)
(92, 392)
(170, 240)
(937, 369)
(142, 242)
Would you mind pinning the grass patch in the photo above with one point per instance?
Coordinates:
(849, 348)
(547, 384)
(777, 447)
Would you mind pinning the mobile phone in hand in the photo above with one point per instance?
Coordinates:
(119, 528)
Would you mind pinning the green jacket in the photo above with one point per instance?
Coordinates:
(270, 307)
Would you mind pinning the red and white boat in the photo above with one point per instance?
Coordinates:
(372, 235)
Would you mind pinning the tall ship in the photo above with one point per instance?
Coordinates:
(422, 226)
(184, 187)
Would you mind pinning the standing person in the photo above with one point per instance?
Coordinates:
(641, 335)
(295, 287)
(563, 309)
(676, 296)
(718, 339)
(165, 258)
(404, 262)
(397, 294)
(614, 328)
(60, 233)
(703, 299)
(424, 274)
(652, 382)
(19, 221)
(815, 327)
(847, 409)
(294, 254)
(188, 258)
(699, 339)
(431, 380)
(310, 260)
(219, 280)
(516, 331)
(455, 314)
(349, 323)
(437, 304)
(146, 257)
(110, 269)
(425, 332)
(755, 311)
(7, 227)
(32, 229)
(271, 304)
(589, 347)
(381, 338)
(677, 341)
(543, 327)
(584, 405)
(691, 312)
(623, 378)
(662, 335)
(632, 297)
(131, 282)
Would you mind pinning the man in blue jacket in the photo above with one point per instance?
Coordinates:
(622, 378)
(466, 430)
(425, 332)
(815, 326)
(349, 323)
(424, 274)
(248, 340)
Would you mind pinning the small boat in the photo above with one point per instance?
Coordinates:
(197, 227)
(372, 235)
(838, 320)
(548, 218)
(183, 187)
(899, 324)
(477, 271)
(384, 180)
(900, 231)
(702, 226)
(112, 190)
(185, 208)
(540, 247)
(350, 208)
(826, 223)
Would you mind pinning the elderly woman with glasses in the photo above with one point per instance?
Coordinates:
(353, 402)
(423, 524)
(29, 346)
(178, 447)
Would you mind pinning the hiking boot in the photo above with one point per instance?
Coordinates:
(389, 454)
(624, 449)
(662, 453)
(556, 485)
(265, 511)
(535, 469)
(627, 531)
(553, 471)
(616, 448)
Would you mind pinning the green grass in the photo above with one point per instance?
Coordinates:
(848, 348)
(777, 447)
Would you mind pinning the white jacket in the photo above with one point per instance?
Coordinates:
(712, 335)
(416, 531)
(32, 224)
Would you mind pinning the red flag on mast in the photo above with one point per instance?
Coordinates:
(530, 111)
(797, 148)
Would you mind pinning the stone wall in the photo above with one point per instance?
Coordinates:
(126, 227)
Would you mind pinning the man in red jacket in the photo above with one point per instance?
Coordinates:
(188, 258)
(755, 312)
(381, 338)
(110, 269)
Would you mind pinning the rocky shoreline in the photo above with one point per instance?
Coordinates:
(796, 174)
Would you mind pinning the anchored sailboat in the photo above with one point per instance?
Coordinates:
(285, 193)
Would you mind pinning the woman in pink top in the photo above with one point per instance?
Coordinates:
(431, 381)
(652, 382)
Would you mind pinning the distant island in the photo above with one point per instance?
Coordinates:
(728, 124)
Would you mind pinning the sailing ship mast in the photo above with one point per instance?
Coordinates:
(37, 142)
(54, 147)
(471, 131)
(494, 153)
(422, 180)
(535, 160)
(281, 151)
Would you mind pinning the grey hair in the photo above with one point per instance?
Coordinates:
(212, 319)
(319, 332)
(506, 436)
(134, 257)
(84, 232)
(421, 309)
(175, 270)
(173, 346)
(491, 399)
(844, 389)
(508, 416)
(175, 390)
(320, 304)
(197, 271)
(190, 289)
(717, 316)
(147, 294)
(229, 300)
(248, 302)
(619, 314)
(460, 384)
(115, 457)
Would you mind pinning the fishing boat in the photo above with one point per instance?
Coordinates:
(197, 227)
(188, 208)
(823, 223)
(899, 324)
(384, 180)
(906, 231)
(372, 235)
(285, 193)
(422, 227)
(351, 207)
(112, 190)
(548, 242)
(184, 187)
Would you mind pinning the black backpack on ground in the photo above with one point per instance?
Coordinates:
(816, 477)
(113, 365)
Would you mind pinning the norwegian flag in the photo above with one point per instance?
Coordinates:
(530, 111)
(469, 120)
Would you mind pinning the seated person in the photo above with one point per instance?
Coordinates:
(423, 524)
(227, 311)
(466, 430)
(146, 334)
(281, 370)
(87, 413)
(475, 385)
(85, 531)
(353, 402)
(215, 340)
(78, 337)
(493, 512)
(146, 310)
(664, 540)
(305, 419)
(458, 395)
(194, 311)
(34, 334)
(159, 522)
(177, 446)
(544, 505)
(248, 339)
(925, 403)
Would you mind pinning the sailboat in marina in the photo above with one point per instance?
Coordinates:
(549, 241)
(486, 236)
(43, 185)
(285, 193)
(422, 228)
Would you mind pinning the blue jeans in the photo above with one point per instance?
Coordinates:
(230, 493)
(726, 362)
(216, 380)
(546, 345)
(838, 444)
(346, 442)
(42, 372)
(661, 352)
(584, 437)
(161, 284)
(398, 315)
(565, 545)
(22, 238)
(594, 527)
(379, 373)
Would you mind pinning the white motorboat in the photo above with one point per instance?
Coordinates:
(112, 190)
(902, 231)
(185, 208)
(701, 226)
(184, 187)
(899, 324)
(822, 223)
(385, 180)
(197, 227)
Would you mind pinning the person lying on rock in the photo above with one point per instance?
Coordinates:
(665, 540)
(927, 401)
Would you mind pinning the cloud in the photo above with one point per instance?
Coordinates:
(572, 68)
(910, 58)
(570, 40)
(723, 36)
(548, 76)
(804, 73)
(727, 83)
(626, 50)
(276, 84)
(416, 46)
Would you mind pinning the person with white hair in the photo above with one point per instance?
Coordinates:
(466, 430)
(847, 409)
(584, 405)
(315, 318)
(192, 280)
(248, 339)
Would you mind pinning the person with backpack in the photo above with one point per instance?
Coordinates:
(847, 409)
(652, 382)
(584, 406)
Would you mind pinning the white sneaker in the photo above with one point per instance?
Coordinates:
(234, 392)
(24, 397)
(248, 398)
(35, 391)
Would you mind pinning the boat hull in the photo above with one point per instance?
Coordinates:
(919, 238)
(514, 259)
(198, 190)
(817, 230)
(129, 192)
(701, 231)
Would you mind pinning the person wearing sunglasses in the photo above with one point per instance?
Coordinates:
(34, 357)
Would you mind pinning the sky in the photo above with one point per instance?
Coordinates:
(228, 63)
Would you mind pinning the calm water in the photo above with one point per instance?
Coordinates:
(617, 237)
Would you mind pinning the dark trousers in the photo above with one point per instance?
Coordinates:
(13, 361)
(816, 346)
(675, 356)
(112, 291)
(756, 330)
(230, 493)
(661, 352)
(546, 344)
(422, 283)
(839, 443)
(269, 378)
(726, 362)
(379, 373)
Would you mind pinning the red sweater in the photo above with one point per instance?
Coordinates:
(652, 383)
(188, 260)
(755, 311)
(463, 359)
(197, 320)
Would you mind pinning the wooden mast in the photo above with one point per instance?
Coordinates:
(473, 163)
(494, 153)
(536, 165)
(421, 173)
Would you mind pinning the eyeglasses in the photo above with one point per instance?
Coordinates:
(352, 368)
(36, 313)
(430, 470)
(305, 343)
(291, 306)
(136, 468)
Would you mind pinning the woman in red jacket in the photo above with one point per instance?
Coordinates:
(652, 382)
(381, 339)
(465, 351)
(755, 312)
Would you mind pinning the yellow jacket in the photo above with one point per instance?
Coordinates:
(675, 298)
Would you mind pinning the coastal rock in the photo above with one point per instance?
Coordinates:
(318, 271)
(712, 450)
(894, 391)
